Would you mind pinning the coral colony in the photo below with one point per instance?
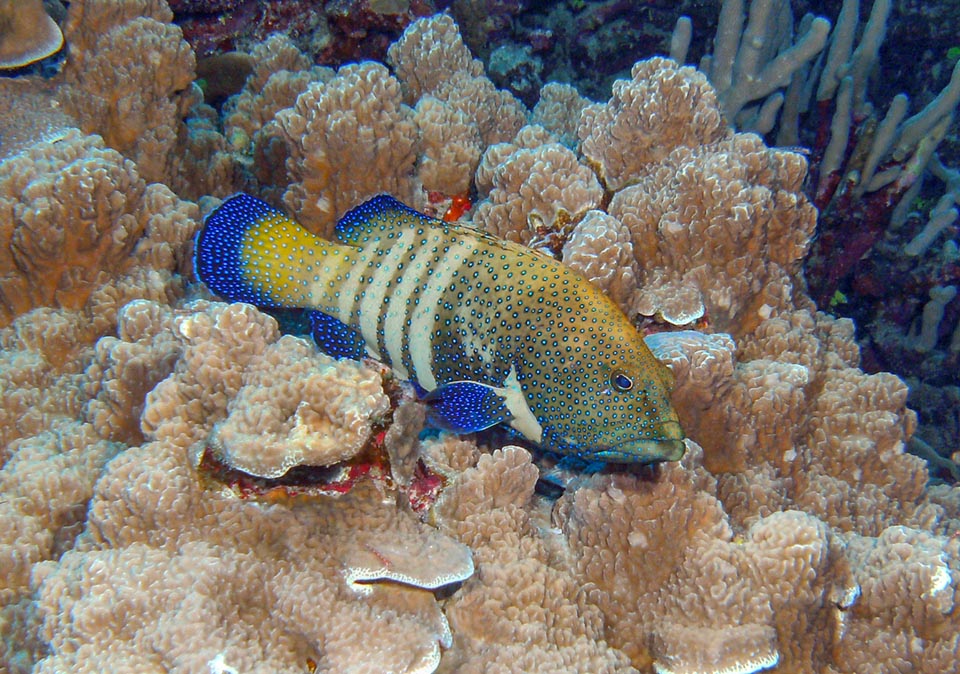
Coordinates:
(192, 485)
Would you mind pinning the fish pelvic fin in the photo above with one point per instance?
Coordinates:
(248, 251)
(335, 338)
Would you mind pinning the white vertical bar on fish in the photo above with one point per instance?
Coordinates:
(422, 323)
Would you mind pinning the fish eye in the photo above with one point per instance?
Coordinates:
(621, 382)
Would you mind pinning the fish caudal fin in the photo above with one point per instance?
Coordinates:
(248, 251)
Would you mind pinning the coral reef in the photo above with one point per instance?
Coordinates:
(151, 528)
(133, 108)
(139, 107)
(183, 488)
(332, 32)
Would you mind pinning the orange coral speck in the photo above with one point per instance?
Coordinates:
(458, 207)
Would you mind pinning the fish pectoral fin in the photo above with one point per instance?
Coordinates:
(465, 407)
(335, 338)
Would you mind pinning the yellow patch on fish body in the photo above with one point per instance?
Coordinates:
(492, 332)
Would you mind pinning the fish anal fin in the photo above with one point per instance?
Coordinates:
(335, 338)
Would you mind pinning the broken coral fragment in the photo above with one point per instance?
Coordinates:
(27, 33)
(383, 557)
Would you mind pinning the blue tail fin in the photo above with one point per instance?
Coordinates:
(249, 251)
(217, 256)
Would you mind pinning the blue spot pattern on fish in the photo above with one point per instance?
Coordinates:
(493, 332)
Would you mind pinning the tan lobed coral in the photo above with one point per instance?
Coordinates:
(600, 249)
(76, 215)
(138, 106)
(719, 231)
(459, 111)
(297, 407)
(529, 137)
(525, 609)
(61, 417)
(450, 147)
(151, 527)
(428, 53)
(717, 220)
(295, 585)
(559, 110)
(823, 436)
(663, 106)
(280, 74)
(68, 220)
(660, 574)
(134, 106)
(537, 191)
(321, 143)
(348, 139)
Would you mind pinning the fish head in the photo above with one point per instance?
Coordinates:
(607, 399)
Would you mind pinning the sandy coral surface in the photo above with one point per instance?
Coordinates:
(185, 488)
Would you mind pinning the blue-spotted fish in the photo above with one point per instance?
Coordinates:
(491, 332)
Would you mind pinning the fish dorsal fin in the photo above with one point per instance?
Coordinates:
(383, 213)
(375, 216)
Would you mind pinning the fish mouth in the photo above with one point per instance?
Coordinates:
(668, 447)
